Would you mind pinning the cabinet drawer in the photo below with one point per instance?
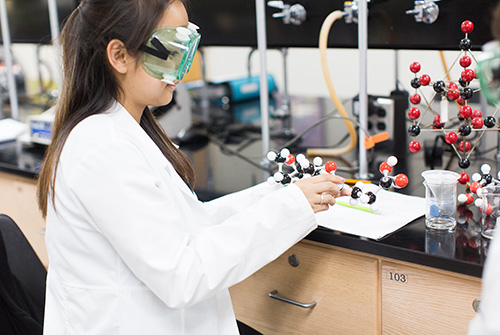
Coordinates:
(425, 301)
(342, 284)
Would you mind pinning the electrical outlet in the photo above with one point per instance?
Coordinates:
(380, 114)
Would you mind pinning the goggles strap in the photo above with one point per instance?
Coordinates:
(160, 51)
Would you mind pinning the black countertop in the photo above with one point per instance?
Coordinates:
(220, 170)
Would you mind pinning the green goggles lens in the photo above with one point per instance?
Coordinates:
(488, 68)
(170, 51)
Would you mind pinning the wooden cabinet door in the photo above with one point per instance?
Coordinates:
(343, 285)
(18, 200)
(417, 300)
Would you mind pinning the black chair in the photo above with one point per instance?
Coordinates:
(22, 282)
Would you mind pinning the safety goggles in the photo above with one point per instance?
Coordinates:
(170, 51)
(488, 71)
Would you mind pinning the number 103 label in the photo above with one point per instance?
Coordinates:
(398, 277)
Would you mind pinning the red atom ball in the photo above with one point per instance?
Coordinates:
(453, 92)
(474, 187)
(290, 160)
(415, 67)
(467, 26)
(465, 61)
(489, 210)
(385, 167)
(437, 121)
(401, 180)
(330, 166)
(451, 137)
(465, 112)
(414, 146)
(414, 113)
(464, 178)
(470, 199)
(477, 123)
(464, 146)
(424, 80)
(461, 101)
(477, 113)
(415, 99)
(468, 75)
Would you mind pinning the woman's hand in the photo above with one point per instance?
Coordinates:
(322, 190)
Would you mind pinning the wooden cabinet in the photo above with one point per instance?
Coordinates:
(342, 285)
(18, 200)
(418, 300)
(356, 293)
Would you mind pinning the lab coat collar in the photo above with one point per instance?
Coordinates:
(151, 150)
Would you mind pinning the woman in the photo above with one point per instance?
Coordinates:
(131, 249)
(487, 321)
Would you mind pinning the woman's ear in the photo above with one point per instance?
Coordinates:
(118, 56)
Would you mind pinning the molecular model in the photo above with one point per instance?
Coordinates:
(367, 193)
(479, 180)
(459, 92)
(300, 165)
(361, 192)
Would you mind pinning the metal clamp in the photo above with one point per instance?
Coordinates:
(426, 11)
(294, 14)
(273, 294)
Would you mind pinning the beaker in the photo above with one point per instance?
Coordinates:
(440, 198)
(490, 210)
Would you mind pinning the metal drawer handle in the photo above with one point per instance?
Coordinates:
(475, 304)
(273, 294)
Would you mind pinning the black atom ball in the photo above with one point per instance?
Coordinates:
(464, 163)
(299, 168)
(372, 197)
(489, 121)
(356, 192)
(462, 82)
(415, 83)
(385, 182)
(280, 159)
(460, 117)
(309, 169)
(488, 178)
(466, 93)
(286, 179)
(465, 44)
(464, 130)
(414, 130)
(439, 86)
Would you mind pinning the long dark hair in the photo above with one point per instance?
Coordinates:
(89, 85)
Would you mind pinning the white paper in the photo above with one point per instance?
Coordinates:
(10, 129)
(396, 211)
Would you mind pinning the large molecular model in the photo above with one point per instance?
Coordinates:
(362, 192)
(460, 92)
(367, 193)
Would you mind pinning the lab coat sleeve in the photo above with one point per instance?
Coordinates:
(222, 208)
(124, 200)
(487, 321)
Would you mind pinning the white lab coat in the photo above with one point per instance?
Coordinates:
(487, 320)
(133, 251)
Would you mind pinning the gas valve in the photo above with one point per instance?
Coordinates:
(294, 14)
(426, 11)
